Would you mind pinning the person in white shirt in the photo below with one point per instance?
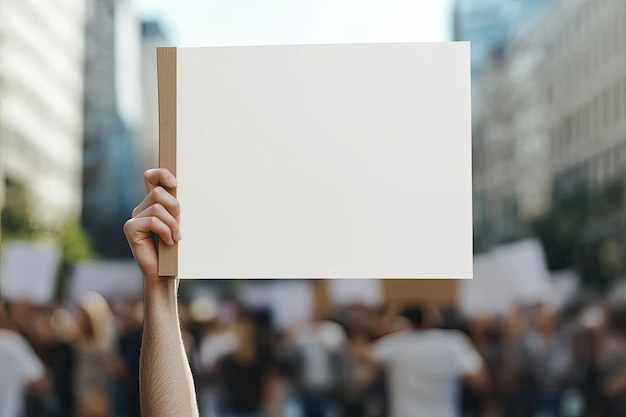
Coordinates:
(21, 370)
(425, 367)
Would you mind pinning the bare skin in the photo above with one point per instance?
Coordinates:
(166, 383)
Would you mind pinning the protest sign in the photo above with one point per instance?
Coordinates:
(319, 161)
(107, 278)
(344, 292)
(510, 274)
(292, 303)
(28, 271)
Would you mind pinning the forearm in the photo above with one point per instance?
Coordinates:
(166, 383)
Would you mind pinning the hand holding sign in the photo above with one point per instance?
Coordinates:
(158, 214)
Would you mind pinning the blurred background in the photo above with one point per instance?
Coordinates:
(78, 126)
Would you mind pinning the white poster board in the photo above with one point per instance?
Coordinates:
(490, 292)
(28, 271)
(525, 264)
(107, 278)
(324, 161)
(513, 273)
(566, 285)
(292, 303)
(344, 292)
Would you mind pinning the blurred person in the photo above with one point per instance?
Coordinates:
(64, 361)
(163, 362)
(425, 367)
(247, 372)
(94, 403)
(545, 357)
(22, 313)
(488, 334)
(21, 371)
(321, 367)
(216, 342)
(129, 350)
(612, 366)
(95, 352)
(364, 394)
(45, 343)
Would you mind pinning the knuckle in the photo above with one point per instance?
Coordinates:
(160, 192)
(128, 225)
(153, 221)
(158, 208)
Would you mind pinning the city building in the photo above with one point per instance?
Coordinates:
(113, 119)
(146, 144)
(41, 107)
(489, 24)
(551, 113)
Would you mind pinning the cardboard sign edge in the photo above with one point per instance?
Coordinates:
(166, 74)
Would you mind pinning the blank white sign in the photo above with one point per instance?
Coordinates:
(112, 278)
(512, 273)
(28, 271)
(292, 303)
(325, 161)
(344, 292)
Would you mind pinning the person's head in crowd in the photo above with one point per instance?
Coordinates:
(382, 318)
(42, 329)
(421, 315)
(545, 320)
(416, 317)
(245, 331)
(21, 313)
(64, 326)
(96, 321)
(494, 332)
(617, 320)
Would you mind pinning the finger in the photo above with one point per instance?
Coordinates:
(139, 228)
(161, 196)
(157, 210)
(159, 176)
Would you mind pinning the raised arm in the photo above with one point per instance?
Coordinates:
(166, 383)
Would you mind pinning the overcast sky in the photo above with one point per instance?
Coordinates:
(247, 22)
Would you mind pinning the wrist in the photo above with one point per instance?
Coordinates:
(160, 288)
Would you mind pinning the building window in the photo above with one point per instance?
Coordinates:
(617, 105)
(606, 109)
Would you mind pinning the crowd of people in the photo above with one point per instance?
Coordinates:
(83, 361)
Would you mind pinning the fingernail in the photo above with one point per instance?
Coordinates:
(174, 182)
(177, 236)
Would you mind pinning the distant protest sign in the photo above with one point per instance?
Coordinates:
(525, 265)
(490, 292)
(344, 292)
(509, 274)
(28, 271)
(110, 278)
(292, 303)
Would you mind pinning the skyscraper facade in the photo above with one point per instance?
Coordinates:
(113, 117)
(490, 24)
(41, 106)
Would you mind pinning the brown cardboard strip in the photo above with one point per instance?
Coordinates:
(166, 69)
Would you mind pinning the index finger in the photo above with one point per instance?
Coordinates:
(159, 176)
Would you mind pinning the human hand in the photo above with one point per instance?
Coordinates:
(157, 215)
